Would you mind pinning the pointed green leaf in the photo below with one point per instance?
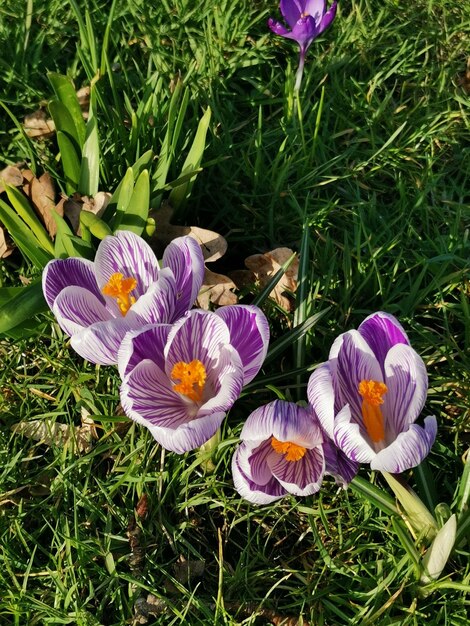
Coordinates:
(90, 165)
(63, 121)
(374, 495)
(65, 92)
(63, 244)
(121, 197)
(94, 224)
(25, 211)
(137, 212)
(28, 301)
(70, 162)
(180, 194)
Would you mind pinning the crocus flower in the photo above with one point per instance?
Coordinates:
(96, 303)
(370, 392)
(179, 381)
(307, 19)
(283, 450)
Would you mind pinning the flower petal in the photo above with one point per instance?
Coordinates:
(255, 462)
(157, 305)
(249, 335)
(321, 396)
(128, 254)
(147, 397)
(408, 449)
(184, 257)
(338, 465)
(355, 362)
(348, 437)
(100, 342)
(303, 477)
(61, 273)
(407, 383)
(382, 331)
(198, 335)
(315, 8)
(304, 32)
(224, 382)
(76, 308)
(278, 28)
(327, 18)
(190, 435)
(145, 343)
(248, 489)
(291, 10)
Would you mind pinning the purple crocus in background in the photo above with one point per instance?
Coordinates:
(307, 19)
(370, 392)
(179, 381)
(283, 450)
(96, 303)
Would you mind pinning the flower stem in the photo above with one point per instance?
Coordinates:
(300, 71)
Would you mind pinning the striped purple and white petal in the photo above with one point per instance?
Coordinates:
(302, 477)
(224, 381)
(148, 398)
(408, 449)
(338, 465)
(73, 272)
(321, 396)
(183, 256)
(145, 343)
(76, 308)
(355, 362)
(198, 335)
(128, 254)
(249, 489)
(382, 331)
(407, 384)
(253, 460)
(157, 304)
(249, 335)
(100, 342)
(350, 438)
(189, 435)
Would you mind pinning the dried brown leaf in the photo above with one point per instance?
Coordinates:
(212, 244)
(41, 193)
(5, 247)
(265, 266)
(48, 432)
(37, 126)
(78, 203)
(216, 289)
(10, 175)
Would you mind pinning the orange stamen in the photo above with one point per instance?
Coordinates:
(372, 392)
(119, 287)
(192, 377)
(291, 451)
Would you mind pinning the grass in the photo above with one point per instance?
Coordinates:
(377, 169)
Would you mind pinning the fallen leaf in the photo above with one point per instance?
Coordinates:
(77, 203)
(54, 433)
(83, 96)
(41, 193)
(10, 175)
(264, 266)
(464, 78)
(37, 126)
(5, 247)
(212, 244)
(216, 289)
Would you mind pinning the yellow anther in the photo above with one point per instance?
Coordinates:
(372, 392)
(192, 377)
(291, 451)
(119, 288)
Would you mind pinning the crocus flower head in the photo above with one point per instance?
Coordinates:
(283, 450)
(307, 19)
(179, 381)
(370, 392)
(96, 303)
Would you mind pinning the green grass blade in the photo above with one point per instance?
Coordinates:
(374, 495)
(24, 304)
(90, 165)
(70, 162)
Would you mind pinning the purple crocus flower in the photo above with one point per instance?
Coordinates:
(96, 303)
(179, 381)
(283, 450)
(307, 19)
(370, 392)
